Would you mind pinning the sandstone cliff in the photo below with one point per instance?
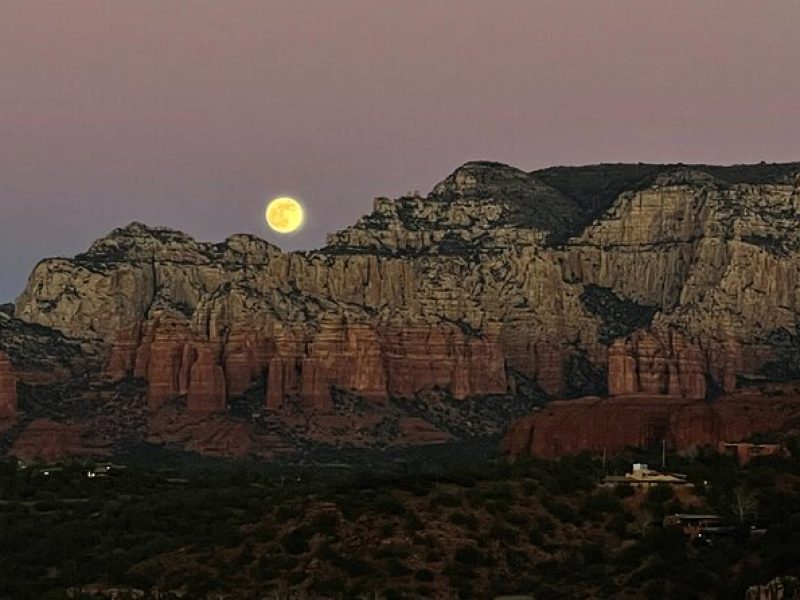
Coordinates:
(612, 425)
(675, 281)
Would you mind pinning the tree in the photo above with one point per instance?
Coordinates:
(744, 504)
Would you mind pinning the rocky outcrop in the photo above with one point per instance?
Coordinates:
(174, 362)
(49, 441)
(612, 425)
(656, 362)
(643, 281)
(592, 424)
(307, 362)
(41, 354)
(422, 357)
(8, 389)
(206, 390)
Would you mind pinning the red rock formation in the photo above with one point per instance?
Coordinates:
(611, 425)
(166, 354)
(205, 434)
(164, 360)
(372, 362)
(245, 358)
(656, 362)
(8, 389)
(656, 380)
(419, 431)
(50, 441)
(122, 354)
(593, 425)
(344, 355)
(422, 357)
(394, 360)
(206, 386)
(283, 372)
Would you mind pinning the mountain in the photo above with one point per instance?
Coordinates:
(666, 294)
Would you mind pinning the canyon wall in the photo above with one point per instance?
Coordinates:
(634, 281)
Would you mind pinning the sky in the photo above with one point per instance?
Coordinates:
(193, 114)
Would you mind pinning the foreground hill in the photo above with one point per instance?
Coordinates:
(649, 281)
(471, 529)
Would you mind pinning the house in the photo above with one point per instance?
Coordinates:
(47, 471)
(746, 451)
(643, 476)
(103, 470)
(699, 526)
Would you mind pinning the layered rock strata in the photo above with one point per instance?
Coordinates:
(495, 271)
(656, 362)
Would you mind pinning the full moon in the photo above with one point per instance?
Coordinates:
(284, 215)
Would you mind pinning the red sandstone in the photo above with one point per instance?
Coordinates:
(50, 441)
(656, 362)
(612, 425)
(8, 389)
(305, 365)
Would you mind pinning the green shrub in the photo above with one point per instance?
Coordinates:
(353, 566)
(618, 524)
(517, 519)
(464, 520)
(331, 586)
(659, 494)
(536, 537)
(624, 490)
(446, 499)
(545, 524)
(592, 553)
(325, 523)
(296, 541)
(504, 534)
(296, 577)
(388, 505)
(563, 512)
(469, 556)
(602, 502)
(395, 568)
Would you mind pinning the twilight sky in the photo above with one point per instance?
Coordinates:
(191, 114)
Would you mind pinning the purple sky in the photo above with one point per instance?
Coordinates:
(191, 114)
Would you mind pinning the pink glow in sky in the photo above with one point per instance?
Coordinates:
(191, 114)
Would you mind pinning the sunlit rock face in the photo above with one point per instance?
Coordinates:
(623, 279)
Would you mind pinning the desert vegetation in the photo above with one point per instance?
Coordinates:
(539, 527)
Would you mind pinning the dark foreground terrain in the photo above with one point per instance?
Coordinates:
(474, 528)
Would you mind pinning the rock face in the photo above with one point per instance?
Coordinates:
(612, 425)
(654, 362)
(8, 389)
(640, 281)
(49, 441)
